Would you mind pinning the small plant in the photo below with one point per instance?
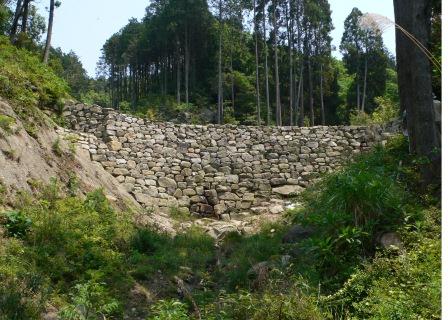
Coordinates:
(56, 147)
(360, 118)
(3, 192)
(72, 184)
(387, 110)
(6, 123)
(17, 224)
(169, 310)
(89, 301)
(180, 215)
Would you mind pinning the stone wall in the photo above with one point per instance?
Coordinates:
(212, 170)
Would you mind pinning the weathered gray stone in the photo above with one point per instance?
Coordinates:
(288, 190)
(229, 196)
(167, 183)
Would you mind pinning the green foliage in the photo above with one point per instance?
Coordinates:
(18, 300)
(69, 67)
(169, 310)
(6, 123)
(56, 147)
(26, 81)
(364, 48)
(404, 286)
(241, 253)
(16, 224)
(67, 243)
(349, 208)
(89, 301)
(193, 250)
(5, 14)
(386, 112)
(359, 118)
(280, 301)
(100, 98)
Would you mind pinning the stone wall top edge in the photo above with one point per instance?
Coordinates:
(113, 112)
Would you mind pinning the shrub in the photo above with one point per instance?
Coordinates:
(24, 79)
(360, 118)
(387, 110)
(406, 286)
(349, 208)
(169, 310)
(56, 147)
(6, 123)
(16, 224)
(89, 301)
(18, 301)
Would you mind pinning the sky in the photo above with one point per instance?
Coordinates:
(84, 25)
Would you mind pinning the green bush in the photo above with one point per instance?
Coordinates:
(169, 310)
(387, 110)
(349, 208)
(89, 301)
(404, 286)
(18, 301)
(288, 301)
(6, 123)
(25, 80)
(16, 224)
(70, 243)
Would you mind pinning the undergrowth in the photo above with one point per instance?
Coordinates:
(84, 258)
(29, 85)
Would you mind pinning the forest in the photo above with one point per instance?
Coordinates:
(362, 241)
(260, 62)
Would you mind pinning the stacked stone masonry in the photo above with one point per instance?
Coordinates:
(212, 170)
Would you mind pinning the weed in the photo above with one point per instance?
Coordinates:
(6, 123)
(17, 224)
(56, 147)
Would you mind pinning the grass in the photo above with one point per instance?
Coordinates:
(26, 81)
(29, 85)
(6, 123)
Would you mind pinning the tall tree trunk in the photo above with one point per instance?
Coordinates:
(232, 82)
(364, 94)
(25, 16)
(278, 106)
(298, 99)
(290, 25)
(302, 104)
(178, 73)
(322, 105)
(256, 64)
(49, 32)
(220, 91)
(15, 22)
(311, 93)
(415, 85)
(187, 66)
(358, 97)
(266, 68)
